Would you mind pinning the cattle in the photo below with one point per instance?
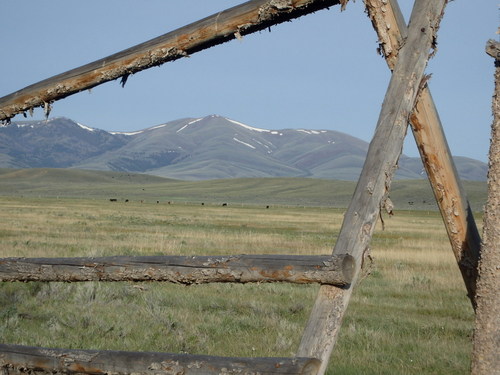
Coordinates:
(224, 204)
(113, 199)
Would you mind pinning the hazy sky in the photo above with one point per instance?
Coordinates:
(318, 72)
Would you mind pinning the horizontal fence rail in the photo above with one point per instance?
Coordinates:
(20, 360)
(229, 24)
(332, 270)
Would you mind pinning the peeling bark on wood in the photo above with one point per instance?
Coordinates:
(229, 24)
(448, 191)
(385, 148)
(486, 350)
(390, 26)
(391, 29)
(300, 269)
(23, 360)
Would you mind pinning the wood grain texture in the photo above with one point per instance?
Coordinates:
(299, 269)
(437, 159)
(486, 349)
(229, 24)
(320, 334)
(23, 360)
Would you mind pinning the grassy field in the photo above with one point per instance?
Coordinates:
(410, 316)
(74, 183)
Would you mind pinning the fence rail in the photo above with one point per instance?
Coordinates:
(229, 24)
(331, 270)
(21, 360)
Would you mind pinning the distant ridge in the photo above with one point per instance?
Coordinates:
(289, 191)
(211, 147)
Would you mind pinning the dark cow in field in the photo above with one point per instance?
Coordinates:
(113, 199)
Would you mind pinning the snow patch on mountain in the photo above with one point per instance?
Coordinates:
(189, 123)
(247, 126)
(85, 127)
(127, 133)
(158, 127)
(243, 143)
(194, 121)
(309, 131)
(269, 150)
(274, 132)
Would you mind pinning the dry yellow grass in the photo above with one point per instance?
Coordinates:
(410, 316)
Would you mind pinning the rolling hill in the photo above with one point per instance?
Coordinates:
(289, 191)
(212, 147)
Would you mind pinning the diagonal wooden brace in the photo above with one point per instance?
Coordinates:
(232, 23)
(321, 332)
(392, 32)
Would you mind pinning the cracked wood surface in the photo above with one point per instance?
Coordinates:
(428, 132)
(299, 269)
(321, 332)
(486, 348)
(229, 24)
(24, 360)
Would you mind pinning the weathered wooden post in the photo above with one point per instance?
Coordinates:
(486, 351)
(25, 360)
(407, 53)
(300, 269)
(428, 132)
(373, 186)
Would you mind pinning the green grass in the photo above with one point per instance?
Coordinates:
(410, 316)
(74, 183)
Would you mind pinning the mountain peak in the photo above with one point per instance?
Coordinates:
(199, 148)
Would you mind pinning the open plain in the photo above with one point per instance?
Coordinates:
(409, 314)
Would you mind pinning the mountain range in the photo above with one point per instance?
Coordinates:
(210, 147)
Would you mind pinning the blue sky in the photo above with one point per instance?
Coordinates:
(318, 72)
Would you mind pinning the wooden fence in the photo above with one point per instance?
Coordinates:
(299, 269)
(408, 100)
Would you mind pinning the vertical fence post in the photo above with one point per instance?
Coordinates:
(486, 350)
